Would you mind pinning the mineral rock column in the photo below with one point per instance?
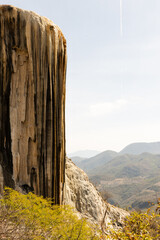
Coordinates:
(32, 103)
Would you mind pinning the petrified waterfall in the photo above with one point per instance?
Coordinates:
(32, 103)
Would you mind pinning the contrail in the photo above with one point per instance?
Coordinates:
(121, 19)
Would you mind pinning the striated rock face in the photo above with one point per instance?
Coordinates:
(32, 103)
(82, 195)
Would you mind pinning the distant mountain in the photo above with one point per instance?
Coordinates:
(128, 165)
(130, 176)
(77, 160)
(83, 154)
(141, 147)
(96, 161)
(132, 180)
(133, 148)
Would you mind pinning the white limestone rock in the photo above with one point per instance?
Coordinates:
(82, 195)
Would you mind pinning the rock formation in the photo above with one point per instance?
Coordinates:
(32, 117)
(83, 196)
(32, 103)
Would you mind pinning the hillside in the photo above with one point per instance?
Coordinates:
(129, 166)
(131, 179)
(96, 161)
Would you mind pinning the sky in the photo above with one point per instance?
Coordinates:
(113, 72)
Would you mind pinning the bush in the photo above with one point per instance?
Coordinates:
(29, 217)
(139, 226)
(32, 217)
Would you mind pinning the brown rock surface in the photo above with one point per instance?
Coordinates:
(82, 195)
(32, 102)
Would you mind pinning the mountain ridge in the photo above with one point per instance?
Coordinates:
(104, 157)
(141, 147)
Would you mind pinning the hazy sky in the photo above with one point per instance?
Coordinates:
(113, 76)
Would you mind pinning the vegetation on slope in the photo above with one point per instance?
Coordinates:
(139, 226)
(32, 217)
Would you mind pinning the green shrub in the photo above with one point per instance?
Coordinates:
(139, 226)
(27, 217)
(32, 217)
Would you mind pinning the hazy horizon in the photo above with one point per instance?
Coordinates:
(113, 75)
(100, 151)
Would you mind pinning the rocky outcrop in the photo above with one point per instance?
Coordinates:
(83, 196)
(32, 103)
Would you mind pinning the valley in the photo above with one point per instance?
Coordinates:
(131, 180)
